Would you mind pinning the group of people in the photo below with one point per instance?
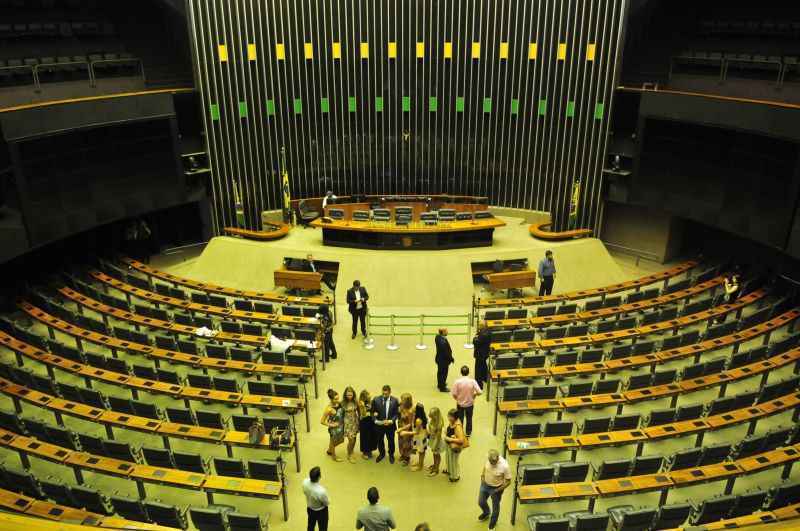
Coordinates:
(495, 478)
(377, 421)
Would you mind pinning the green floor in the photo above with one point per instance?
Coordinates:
(405, 283)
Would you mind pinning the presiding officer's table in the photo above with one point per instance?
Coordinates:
(415, 234)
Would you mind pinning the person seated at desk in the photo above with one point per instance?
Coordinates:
(308, 265)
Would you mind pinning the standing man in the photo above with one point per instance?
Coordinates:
(316, 501)
(444, 357)
(357, 298)
(385, 409)
(495, 477)
(481, 345)
(465, 389)
(375, 517)
(547, 272)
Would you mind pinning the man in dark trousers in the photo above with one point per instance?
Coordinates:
(444, 357)
(357, 298)
(385, 409)
(481, 343)
(547, 273)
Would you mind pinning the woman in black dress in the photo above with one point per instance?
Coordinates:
(326, 322)
(366, 425)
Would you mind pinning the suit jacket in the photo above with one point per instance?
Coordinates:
(444, 354)
(351, 298)
(481, 344)
(310, 267)
(379, 409)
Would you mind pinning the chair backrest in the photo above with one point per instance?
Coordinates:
(591, 522)
(189, 462)
(128, 508)
(649, 464)
(543, 391)
(525, 430)
(160, 457)
(536, 474)
(661, 416)
(89, 499)
(626, 422)
(518, 392)
(572, 472)
(229, 467)
(686, 458)
(596, 425)
(637, 520)
(208, 519)
(166, 515)
(209, 419)
(613, 468)
(553, 524)
(714, 453)
(671, 516)
(558, 428)
(264, 470)
(245, 522)
(714, 509)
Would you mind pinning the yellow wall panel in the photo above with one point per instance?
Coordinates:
(365, 50)
(223, 53)
(392, 50)
(562, 51)
(337, 50)
(251, 52)
(532, 50)
(420, 50)
(448, 50)
(308, 50)
(590, 50)
(476, 50)
(280, 51)
(503, 50)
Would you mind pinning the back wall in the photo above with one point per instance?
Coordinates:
(503, 98)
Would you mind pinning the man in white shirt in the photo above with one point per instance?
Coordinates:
(328, 199)
(316, 501)
(495, 477)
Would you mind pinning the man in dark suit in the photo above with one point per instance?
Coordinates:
(385, 409)
(357, 298)
(444, 357)
(310, 266)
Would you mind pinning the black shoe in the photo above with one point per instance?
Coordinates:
(391, 459)
(380, 458)
(492, 526)
(483, 516)
(444, 390)
(353, 336)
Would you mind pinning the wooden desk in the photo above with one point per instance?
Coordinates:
(415, 235)
(304, 280)
(511, 279)
(662, 276)
(509, 264)
(270, 232)
(153, 273)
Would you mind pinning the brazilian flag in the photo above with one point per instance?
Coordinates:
(287, 194)
(573, 204)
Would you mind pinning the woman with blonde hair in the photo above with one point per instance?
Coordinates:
(435, 441)
(333, 418)
(456, 442)
(351, 415)
(406, 426)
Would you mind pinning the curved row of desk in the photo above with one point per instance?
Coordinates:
(611, 311)
(112, 419)
(630, 333)
(663, 276)
(153, 274)
(135, 384)
(210, 484)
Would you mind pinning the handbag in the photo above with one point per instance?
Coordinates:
(256, 433)
(278, 438)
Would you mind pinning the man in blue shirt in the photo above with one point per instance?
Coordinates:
(547, 272)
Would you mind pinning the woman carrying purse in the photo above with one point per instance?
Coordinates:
(456, 442)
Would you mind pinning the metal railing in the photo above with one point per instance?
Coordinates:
(393, 325)
(36, 70)
(638, 253)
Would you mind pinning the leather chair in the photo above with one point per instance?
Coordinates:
(306, 213)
